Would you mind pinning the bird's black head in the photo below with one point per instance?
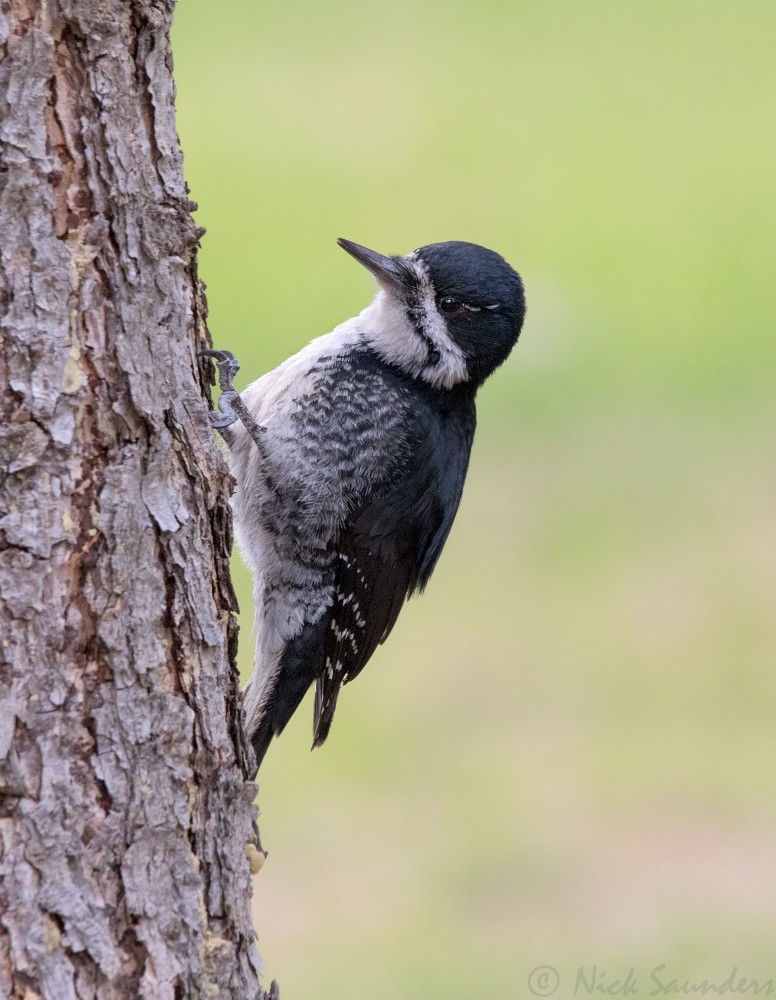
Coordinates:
(481, 299)
(460, 308)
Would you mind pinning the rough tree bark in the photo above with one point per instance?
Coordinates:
(127, 829)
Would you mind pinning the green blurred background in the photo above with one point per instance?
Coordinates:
(565, 753)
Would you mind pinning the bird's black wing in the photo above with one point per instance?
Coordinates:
(388, 549)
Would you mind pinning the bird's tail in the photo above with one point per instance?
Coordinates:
(261, 738)
(296, 672)
(326, 693)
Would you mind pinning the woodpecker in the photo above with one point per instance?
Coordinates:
(350, 460)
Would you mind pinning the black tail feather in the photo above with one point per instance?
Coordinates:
(300, 664)
(261, 739)
(326, 692)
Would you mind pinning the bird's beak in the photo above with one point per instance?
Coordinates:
(391, 273)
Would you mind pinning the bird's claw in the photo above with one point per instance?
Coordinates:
(227, 365)
(220, 421)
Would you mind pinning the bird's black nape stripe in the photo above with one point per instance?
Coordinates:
(415, 314)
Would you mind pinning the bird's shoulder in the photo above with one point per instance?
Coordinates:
(340, 397)
(378, 453)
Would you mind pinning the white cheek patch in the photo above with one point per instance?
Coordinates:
(450, 368)
(414, 337)
(389, 331)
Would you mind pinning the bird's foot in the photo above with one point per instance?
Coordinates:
(228, 366)
(230, 403)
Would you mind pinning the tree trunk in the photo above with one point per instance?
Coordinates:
(127, 825)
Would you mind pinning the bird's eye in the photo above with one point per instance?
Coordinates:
(449, 304)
